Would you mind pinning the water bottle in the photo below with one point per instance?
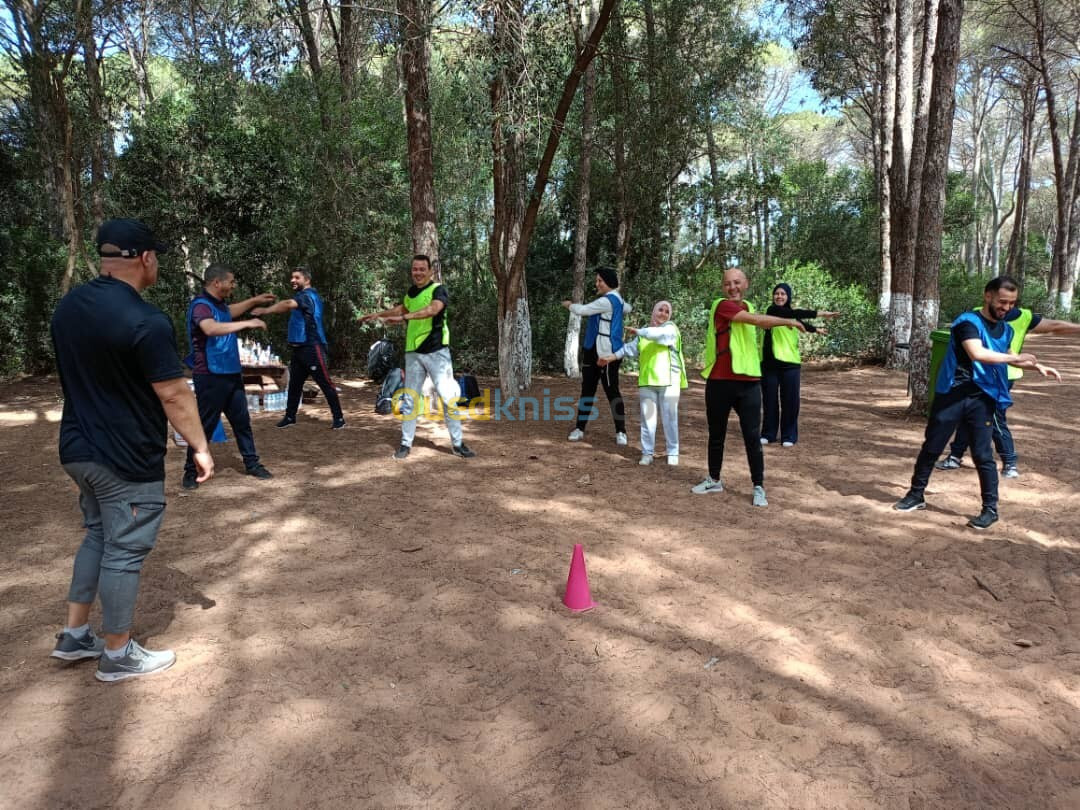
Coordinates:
(253, 403)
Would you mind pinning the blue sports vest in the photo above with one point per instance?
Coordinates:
(993, 378)
(614, 325)
(298, 335)
(222, 351)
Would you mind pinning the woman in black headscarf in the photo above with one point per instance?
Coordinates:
(780, 369)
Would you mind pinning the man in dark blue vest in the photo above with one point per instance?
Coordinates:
(308, 341)
(215, 362)
(972, 384)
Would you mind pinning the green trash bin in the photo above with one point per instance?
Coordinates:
(939, 340)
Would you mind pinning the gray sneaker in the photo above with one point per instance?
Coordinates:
(134, 664)
(708, 485)
(76, 648)
(948, 463)
(759, 497)
(1010, 471)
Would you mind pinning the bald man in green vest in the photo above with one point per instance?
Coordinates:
(1023, 322)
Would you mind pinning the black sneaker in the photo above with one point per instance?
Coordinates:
(189, 481)
(909, 503)
(402, 452)
(259, 471)
(462, 450)
(338, 424)
(987, 518)
(286, 421)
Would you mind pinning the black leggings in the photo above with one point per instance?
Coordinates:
(310, 361)
(745, 397)
(608, 377)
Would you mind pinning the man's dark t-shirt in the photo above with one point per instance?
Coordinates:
(434, 341)
(110, 346)
(199, 313)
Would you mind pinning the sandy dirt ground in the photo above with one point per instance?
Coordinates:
(360, 632)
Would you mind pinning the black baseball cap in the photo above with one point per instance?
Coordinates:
(127, 239)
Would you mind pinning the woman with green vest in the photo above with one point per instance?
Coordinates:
(733, 380)
(661, 378)
(1023, 322)
(427, 354)
(781, 369)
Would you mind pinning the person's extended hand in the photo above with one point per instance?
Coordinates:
(259, 311)
(821, 330)
(1047, 371)
(392, 319)
(799, 325)
(631, 330)
(256, 323)
(368, 318)
(265, 298)
(828, 314)
(1028, 359)
(567, 304)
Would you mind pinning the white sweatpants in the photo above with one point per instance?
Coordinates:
(439, 367)
(665, 399)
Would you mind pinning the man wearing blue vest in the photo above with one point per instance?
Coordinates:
(308, 341)
(733, 380)
(1023, 322)
(215, 365)
(603, 338)
(972, 384)
(427, 354)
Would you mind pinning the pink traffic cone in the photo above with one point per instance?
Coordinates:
(577, 596)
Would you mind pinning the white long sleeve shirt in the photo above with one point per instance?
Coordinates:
(602, 307)
(666, 334)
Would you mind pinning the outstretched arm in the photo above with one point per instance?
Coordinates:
(1048, 326)
(212, 328)
(397, 311)
(239, 308)
(768, 321)
(284, 305)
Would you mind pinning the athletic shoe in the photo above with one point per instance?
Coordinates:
(646, 459)
(788, 444)
(673, 461)
(76, 648)
(986, 518)
(189, 481)
(576, 435)
(764, 440)
(136, 663)
(909, 503)
(259, 471)
(338, 424)
(759, 497)
(620, 439)
(402, 452)
(463, 451)
(708, 485)
(286, 421)
(1010, 471)
(948, 463)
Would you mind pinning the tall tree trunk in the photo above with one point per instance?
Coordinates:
(887, 72)
(1016, 255)
(415, 22)
(100, 133)
(714, 180)
(931, 218)
(581, 231)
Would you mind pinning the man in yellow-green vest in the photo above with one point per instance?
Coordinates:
(733, 380)
(1023, 322)
(427, 354)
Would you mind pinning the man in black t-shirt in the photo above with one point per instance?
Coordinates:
(971, 385)
(121, 378)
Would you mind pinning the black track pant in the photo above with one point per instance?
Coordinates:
(744, 396)
(310, 360)
(608, 377)
(218, 394)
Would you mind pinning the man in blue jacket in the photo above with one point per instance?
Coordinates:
(215, 363)
(308, 341)
(971, 386)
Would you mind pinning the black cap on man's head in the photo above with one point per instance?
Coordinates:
(127, 239)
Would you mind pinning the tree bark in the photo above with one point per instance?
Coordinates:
(415, 22)
(887, 72)
(932, 210)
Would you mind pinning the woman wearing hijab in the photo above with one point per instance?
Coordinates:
(661, 378)
(780, 369)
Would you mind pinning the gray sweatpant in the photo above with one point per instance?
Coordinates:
(440, 368)
(666, 400)
(122, 520)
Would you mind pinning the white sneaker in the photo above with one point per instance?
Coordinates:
(620, 439)
(673, 461)
(788, 444)
(576, 435)
(759, 497)
(708, 485)
(764, 440)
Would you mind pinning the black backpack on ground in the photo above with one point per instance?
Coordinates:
(470, 388)
(393, 381)
(381, 357)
